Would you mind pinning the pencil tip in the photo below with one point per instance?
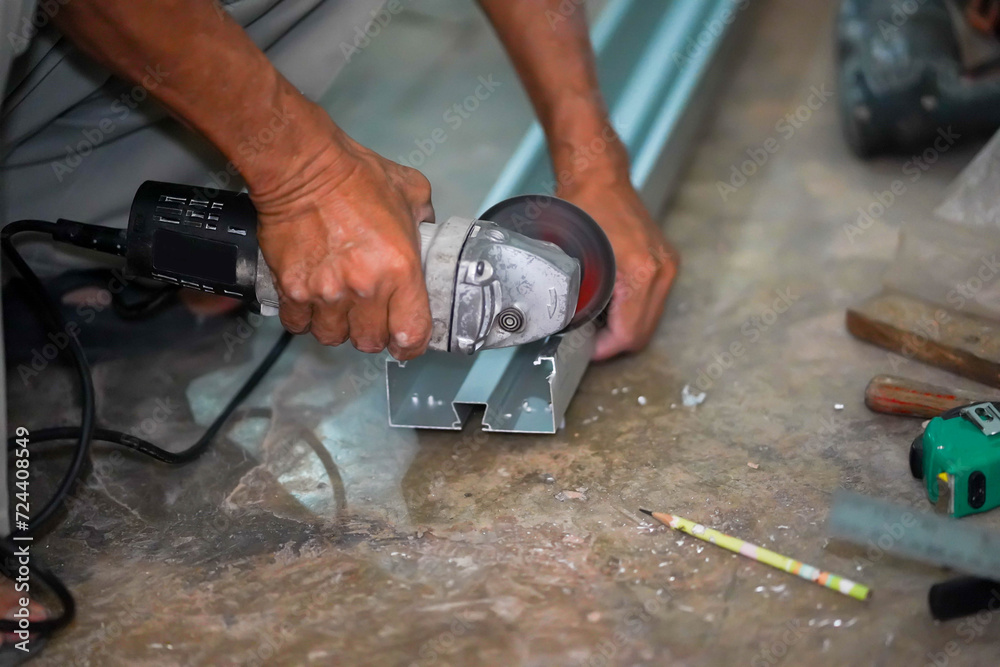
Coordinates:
(649, 512)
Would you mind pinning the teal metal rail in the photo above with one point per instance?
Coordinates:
(655, 63)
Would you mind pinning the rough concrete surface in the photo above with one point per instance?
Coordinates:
(315, 534)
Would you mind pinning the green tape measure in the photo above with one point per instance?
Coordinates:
(962, 449)
(925, 537)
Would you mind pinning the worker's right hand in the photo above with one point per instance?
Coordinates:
(340, 236)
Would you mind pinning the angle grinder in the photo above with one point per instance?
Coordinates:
(530, 267)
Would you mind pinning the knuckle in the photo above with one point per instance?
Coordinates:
(405, 267)
(294, 287)
(406, 259)
(330, 291)
(326, 285)
(400, 264)
(418, 193)
(364, 283)
(420, 184)
(331, 294)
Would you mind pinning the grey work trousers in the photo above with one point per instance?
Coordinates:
(76, 142)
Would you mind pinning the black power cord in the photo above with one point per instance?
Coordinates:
(149, 449)
(111, 241)
(49, 314)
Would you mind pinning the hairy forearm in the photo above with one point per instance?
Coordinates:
(548, 41)
(210, 75)
(551, 50)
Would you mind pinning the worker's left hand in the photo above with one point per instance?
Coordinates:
(646, 262)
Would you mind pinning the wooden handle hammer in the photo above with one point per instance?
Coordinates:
(900, 396)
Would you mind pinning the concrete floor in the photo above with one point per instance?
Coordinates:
(314, 534)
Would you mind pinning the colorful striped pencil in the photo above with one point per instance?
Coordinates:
(766, 556)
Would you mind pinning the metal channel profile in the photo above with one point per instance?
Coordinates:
(524, 389)
(659, 62)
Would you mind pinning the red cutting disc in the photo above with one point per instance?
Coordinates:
(557, 221)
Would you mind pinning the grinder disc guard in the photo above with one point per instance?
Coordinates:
(557, 221)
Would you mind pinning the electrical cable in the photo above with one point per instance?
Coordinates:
(111, 241)
(50, 315)
(195, 450)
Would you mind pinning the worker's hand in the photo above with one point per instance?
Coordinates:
(340, 236)
(646, 263)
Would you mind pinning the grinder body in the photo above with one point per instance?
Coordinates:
(488, 286)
